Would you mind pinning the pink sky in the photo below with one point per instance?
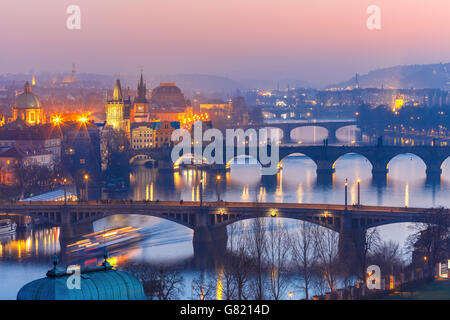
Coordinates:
(316, 40)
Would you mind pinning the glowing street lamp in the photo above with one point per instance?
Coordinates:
(86, 179)
(83, 119)
(56, 120)
(359, 192)
(290, 295)
(65, 193)
(346, 188)
(218, 178)
(201, 192)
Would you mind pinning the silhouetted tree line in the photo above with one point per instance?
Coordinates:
(267, 260)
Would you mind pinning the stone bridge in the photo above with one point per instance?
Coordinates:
(325, 157)
(287, 127)
(208, 220)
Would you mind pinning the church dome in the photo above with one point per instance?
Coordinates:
(168, 95)
(99, 283)
(27, 99)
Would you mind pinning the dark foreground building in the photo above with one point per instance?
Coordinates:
(97, 283)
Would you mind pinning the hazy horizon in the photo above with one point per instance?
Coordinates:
(319, 41)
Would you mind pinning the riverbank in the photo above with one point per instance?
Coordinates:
(438, 289)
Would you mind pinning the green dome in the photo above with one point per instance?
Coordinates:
(27, 99)
(96, 284)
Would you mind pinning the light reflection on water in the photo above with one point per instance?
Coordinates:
(28, 256)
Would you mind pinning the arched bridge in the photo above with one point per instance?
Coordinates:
(332, 126)
(209, 219)
(379, 156)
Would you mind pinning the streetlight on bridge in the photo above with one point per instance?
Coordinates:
(346, 188)
(359, 192)
(218, 178)
(86, 179)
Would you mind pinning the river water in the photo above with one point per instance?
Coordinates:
(27, 256)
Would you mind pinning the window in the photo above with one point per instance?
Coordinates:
(82, 161)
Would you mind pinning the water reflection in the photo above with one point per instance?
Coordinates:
(26, 256)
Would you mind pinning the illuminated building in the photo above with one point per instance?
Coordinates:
(162, 132)
(73, 77)
(33, 80)
(139, 113)
(118, 110)
(25, 137)
(28, 107)
(141, 135)
(398, 102)
(169, 97)
(11, 158)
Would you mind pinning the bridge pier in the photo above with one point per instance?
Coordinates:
(352, 241)
(210, 245)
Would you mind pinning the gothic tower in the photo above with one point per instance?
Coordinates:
(140, 108)
(118, 110)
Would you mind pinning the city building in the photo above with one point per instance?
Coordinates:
(118, 110)
(81, 150)
(141, 135)
(13, 158)
(140, 111)
(28, 107)
(168, 96)
(23, 136)
(162, 133)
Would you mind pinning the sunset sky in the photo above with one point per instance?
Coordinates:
(313, 40)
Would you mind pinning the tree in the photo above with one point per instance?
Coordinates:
(159, 282)
(327, 249)
(258, 253)
(303, 255)
(277, 252)
(429, 242)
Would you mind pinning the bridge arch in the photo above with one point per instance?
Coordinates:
(411, 156)
(352, 154)
(140, 157)
(445, 167)
(243, 159)
(179, 218)
(193, 159)
(353, 128)
(320, 220)
(296, 154)
(295, 133)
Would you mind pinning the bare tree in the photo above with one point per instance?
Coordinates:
(326, 247)
(387, 255)
(303, 255)
(159, 282)
(430, 240)
(258, 252)
(204, 287)
(238, 261)
(277, 252)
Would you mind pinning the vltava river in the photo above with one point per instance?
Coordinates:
(27, 256)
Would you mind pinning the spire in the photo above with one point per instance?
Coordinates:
(117, 95)
(141, 89)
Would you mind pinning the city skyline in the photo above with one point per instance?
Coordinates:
(303, 40)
